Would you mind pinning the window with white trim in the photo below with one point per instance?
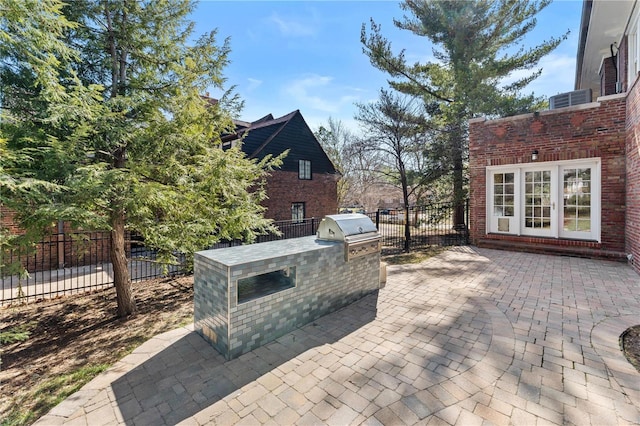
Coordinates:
(550, 199)
(297, 212)
(304, 169)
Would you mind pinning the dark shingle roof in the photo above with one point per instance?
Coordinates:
(270, 135)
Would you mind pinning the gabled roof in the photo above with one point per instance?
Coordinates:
(269, 135)
(263, 131)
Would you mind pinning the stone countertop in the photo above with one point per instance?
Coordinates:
(239, 255)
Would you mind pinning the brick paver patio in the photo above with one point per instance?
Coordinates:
(472, 336)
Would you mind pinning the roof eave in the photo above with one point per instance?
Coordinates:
(584, 29)
(603, 23)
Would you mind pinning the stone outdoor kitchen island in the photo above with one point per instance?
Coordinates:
(247, 296)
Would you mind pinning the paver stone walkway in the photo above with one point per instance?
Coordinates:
(471, 336)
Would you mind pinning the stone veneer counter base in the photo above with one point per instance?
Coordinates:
(313, 279)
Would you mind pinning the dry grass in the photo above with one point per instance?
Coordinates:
(414, 256)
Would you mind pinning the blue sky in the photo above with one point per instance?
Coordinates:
(288, 55)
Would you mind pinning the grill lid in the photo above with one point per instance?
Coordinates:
(339, 227)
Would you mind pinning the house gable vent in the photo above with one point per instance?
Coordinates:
(576, 97)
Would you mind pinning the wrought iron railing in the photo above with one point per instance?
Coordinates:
(441, 224)
(70, 263)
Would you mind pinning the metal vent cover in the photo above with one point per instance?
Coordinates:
(576, 97)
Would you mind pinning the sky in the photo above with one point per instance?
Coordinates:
(307, 55)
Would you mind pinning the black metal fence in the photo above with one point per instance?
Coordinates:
(288, 229)
(442, 224)
(71, 263)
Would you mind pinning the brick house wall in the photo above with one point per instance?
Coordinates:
(290, 133)
(578, 132)
(284, 188)
(68, 248)
(7, 221)
(632, 229)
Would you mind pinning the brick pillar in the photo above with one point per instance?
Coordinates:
(608, 77)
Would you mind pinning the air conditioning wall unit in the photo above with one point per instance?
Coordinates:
(576, 97)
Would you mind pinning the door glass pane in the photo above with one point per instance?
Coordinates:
(508, 188)
(584, 200)
(537, 207)
(503, 184)
(577, 200)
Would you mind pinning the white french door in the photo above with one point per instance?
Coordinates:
(539, 193)
(580, 217)
(554, 199)
(505, 210)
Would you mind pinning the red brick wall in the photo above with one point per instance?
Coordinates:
(608, 77)
(67, 249)
(7, 222)
(45, 255)
(633, 175)
(284, 188)
(578, 132)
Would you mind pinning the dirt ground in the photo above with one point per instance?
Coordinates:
(65, 334)
(631, 345)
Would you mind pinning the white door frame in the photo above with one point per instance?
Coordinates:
(516, 224)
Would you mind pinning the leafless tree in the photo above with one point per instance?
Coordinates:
(356, 165)
(397, 128)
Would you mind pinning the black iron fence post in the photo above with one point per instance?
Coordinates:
(407, 229)
(467, 222)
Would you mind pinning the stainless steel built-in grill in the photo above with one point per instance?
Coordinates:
(357, 231)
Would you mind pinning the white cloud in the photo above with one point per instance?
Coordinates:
(314, 121)
(319, 93)
(291, 27)
(253, 84)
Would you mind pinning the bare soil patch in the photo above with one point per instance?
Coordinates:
(631, 345)
(52, 339)
(414, 256)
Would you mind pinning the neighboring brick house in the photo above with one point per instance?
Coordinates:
(306, 184)
(64, 247)
(567, 180)
(304, 187)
